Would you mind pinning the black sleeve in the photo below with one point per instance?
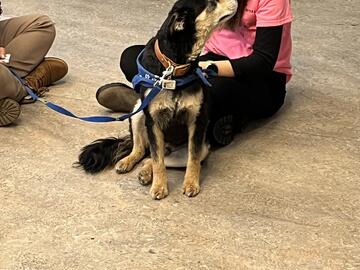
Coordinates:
(266, 51)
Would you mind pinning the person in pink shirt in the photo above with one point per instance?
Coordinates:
(251, 55)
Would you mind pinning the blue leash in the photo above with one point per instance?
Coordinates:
(61, 110)
(143, 78)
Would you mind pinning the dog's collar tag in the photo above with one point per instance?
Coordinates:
(168, 84)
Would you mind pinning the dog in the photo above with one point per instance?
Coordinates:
(173, 116)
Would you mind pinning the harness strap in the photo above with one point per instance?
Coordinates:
(147, 79)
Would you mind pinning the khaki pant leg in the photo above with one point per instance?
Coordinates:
(28, 39)
(10, 87)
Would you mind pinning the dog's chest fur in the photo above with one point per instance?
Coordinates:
(174, 110)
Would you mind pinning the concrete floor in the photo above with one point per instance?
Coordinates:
(284, 195)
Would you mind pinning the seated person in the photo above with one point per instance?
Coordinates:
(252, 56)
(28, 39)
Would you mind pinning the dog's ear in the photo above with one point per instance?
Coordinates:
(177, 22)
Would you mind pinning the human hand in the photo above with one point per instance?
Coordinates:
(2, 52)
(209, 65)
(205, 64)
(222, 67)
(4, 58)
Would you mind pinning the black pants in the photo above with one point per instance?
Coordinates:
(243, 98)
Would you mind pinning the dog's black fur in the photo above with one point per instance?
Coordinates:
(177, 39)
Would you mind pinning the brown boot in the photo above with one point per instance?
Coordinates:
(49, 71)
(117, 97)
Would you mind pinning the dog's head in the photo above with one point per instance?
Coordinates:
(190, 23)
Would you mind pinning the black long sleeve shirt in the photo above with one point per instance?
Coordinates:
(265, 53)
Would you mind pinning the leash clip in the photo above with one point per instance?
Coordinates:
(42, 100)
(169, 71)
(165, 83)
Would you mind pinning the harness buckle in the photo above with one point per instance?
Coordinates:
(168, 84)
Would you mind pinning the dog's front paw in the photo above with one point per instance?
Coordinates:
(123, 166)
(191, 189)
(159, 192)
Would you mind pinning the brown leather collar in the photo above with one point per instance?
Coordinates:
(179, 70)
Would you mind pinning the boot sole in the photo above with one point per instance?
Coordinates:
(223, 130)
(9, 111)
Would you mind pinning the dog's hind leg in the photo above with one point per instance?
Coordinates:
(140, 144)
(146, 174)
(197, 130)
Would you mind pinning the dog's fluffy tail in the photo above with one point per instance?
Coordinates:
(102, 153)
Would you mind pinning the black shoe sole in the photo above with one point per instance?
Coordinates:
(9, 111)
(223, 130)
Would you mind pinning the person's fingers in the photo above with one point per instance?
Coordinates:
(204, 64)
(2, 52)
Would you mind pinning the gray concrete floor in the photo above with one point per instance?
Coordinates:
(284, 195)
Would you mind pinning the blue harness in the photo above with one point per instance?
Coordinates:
(144, 78)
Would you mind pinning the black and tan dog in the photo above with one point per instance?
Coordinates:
(178, 43)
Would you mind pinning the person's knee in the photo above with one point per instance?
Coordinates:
(127, 56)
(124, 57)
(45, 24)
(272, 108)
(45, 21)
(128, 61)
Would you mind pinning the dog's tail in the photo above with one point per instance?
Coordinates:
(102, 153)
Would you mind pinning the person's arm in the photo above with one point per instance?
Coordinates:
(263, 59)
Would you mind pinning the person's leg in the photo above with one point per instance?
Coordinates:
(10, 87)
(128, 61)
(265, 91)
(28, 39)
(11, 92)
(233, 102)
(119, 97)
(14, 37)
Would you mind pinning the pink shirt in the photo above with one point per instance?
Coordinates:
(258, 13)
